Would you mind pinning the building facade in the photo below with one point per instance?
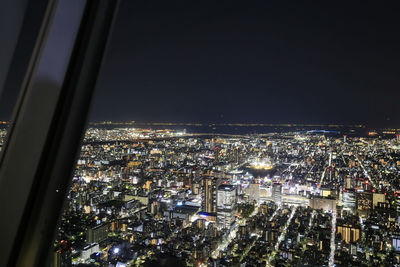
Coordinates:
(226, 204)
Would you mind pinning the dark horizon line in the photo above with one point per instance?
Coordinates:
(331, 125)
(238, 124)
(227, 123)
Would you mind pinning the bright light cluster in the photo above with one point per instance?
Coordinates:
(261, 165)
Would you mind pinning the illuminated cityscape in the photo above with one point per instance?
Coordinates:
(187, 133)
(310, 198)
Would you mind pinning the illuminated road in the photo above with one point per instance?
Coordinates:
(281, 237)
(366, 173)
(258, 236)
(231, 168)
(283, 234)
(322, 176)
(329, 165)
(249, 247)
(333, 246)
(274, 214)
(312, 218)
(304, 242)
(225, 243)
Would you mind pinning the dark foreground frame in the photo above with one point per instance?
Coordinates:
(44, 138)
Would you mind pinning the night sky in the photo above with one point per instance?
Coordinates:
(257, 61)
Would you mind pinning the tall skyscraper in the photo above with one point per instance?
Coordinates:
(277, 193)
(209, 195)
(226, 203)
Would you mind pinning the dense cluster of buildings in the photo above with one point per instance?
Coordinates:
(148, 198)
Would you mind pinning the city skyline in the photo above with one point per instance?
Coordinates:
(149, 197)
(220, 134)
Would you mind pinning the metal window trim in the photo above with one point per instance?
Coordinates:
(29, 227)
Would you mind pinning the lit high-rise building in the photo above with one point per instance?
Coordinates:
(226, 203)
(364, 201)
(349, 200)
(348, 232)
(209, 195)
